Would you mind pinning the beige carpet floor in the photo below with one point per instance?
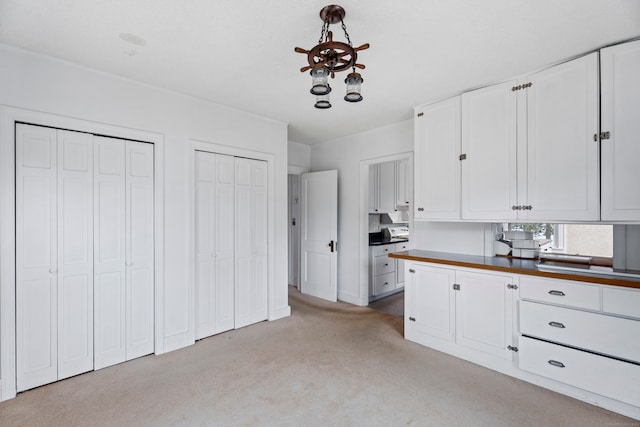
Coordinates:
(329, 364)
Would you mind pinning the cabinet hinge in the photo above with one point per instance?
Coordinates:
(520, 87)
(463, 157)
(420, 114)
(605, 135)
(512, 348)
(456, 287)
(413, 319)
(510, 286)
(411, 270)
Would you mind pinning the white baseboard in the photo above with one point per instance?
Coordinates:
(280, 313)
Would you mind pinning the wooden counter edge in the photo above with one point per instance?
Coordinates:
(564, 276)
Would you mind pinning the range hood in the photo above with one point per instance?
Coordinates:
(398, 217)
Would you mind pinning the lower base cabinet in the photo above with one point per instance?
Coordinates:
(579, 339)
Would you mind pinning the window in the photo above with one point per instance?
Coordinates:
(575, 239)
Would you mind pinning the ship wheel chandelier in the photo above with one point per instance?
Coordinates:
(329, 57)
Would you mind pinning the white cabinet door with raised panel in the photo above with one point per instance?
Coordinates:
(563, 180)
(139, 247)
(109, 252)
(386, 187)
(75, 253)
(403, 182)
(489, 184)
(620, 149)
(36, 257)
(484, 313)
(250, 242)
(437, 165)
(429, 303)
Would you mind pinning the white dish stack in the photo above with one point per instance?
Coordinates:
(523, 245)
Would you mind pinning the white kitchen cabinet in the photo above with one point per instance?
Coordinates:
(484, 311)
(489, 171)
(551, 121)
(386, 275)
(620, 150)
(382, 187)
(436, 161)
(54, 255)
(470, 309)
(404, 180)
(124, 250)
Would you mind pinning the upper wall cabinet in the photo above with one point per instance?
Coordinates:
(620, 145)
(382, 187)
(437, 163)
(529, 150)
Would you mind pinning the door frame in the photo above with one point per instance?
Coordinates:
(8, 117)
(364, 216)
(297, 171)
(219, 148)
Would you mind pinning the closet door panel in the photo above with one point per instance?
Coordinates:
(75, 251)
(205, 243)
(109, 247)
(259, 234)
(139, 249)
(243, 242)
(224, 244)
(36, 256)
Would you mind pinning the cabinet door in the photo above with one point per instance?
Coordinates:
(429, 303)
(373, 188)
(437, 164)
(489, 184)
(139, 249)
(484, 313)
(563, 180)
(75, 253)
(109, 252)
(403, 184)
(620, 92)
(36, 257)
(387, 187)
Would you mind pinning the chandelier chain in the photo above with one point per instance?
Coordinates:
(324, 32)
(346, 34)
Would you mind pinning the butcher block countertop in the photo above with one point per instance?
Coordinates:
(513, 265)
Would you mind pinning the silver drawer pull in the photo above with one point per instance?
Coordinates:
(556, 363)
(557, 325)
(557, 293)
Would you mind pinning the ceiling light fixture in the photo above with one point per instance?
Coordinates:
(329, 57)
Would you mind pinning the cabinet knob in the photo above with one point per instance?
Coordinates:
(420, 209)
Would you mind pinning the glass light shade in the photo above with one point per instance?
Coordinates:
(322, 101)
(354, 87)
(319, 81)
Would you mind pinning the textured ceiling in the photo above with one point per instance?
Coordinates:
(239, 53)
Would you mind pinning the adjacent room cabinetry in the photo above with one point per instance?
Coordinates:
(530, 147)
(620, 150)
(386, 275)
(437, 163)
(388, 186)
(84, 253)
(231, 242)
(463, 308)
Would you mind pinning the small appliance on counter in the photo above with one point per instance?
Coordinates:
(520, 244)
(399, 233)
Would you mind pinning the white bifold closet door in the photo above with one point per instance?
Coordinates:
(54, 255)
(215, 219)
(251, 242)
(231, 242)
(124, 247)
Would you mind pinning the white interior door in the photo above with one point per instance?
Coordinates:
(75, 253)
(319, 226)
(110, 249)
(139, 246)
(36, 257)
(294, 230)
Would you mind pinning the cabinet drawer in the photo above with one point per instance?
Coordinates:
(561, 292)
(384, 264)
(625, 302)
(384, 283)
(401, 247)
(590, 331)
(598, 374)
(383, 249)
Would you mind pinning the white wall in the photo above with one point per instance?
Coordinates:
(34, 82)
(299, 155)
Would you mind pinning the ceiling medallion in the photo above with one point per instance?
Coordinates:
(329, 57)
